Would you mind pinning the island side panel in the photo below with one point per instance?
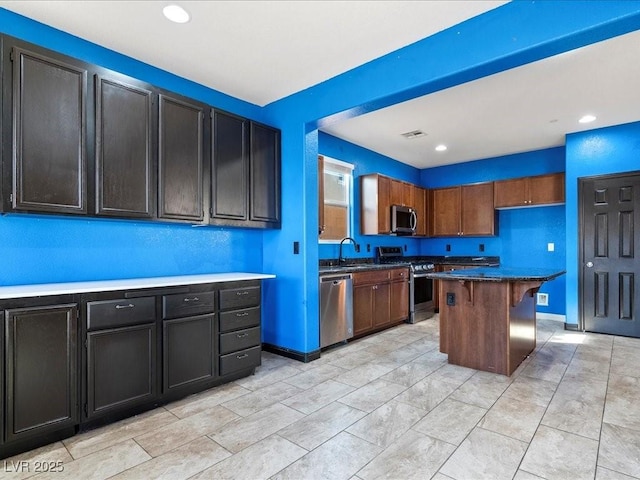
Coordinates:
(522, 318)
(476, 326)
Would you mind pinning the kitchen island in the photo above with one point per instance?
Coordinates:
(488, 317)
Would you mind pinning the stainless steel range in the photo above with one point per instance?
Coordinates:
(421, 292)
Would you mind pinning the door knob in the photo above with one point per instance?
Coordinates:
(589, 264)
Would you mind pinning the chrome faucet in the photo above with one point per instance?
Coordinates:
(341, 259)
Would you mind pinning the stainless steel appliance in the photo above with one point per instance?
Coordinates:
(336, 309)
(421, 294)
(404, 220)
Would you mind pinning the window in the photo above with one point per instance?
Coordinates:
(336, 191)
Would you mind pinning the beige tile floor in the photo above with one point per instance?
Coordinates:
(387, 406)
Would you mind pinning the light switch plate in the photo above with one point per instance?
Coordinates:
(551, 247)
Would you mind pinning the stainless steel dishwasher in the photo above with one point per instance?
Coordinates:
(336, 309)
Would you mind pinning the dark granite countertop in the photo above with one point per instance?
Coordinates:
(360, 264)
(499, 274)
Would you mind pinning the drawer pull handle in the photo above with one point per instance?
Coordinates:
(131, 305)
(242, 293)
(194, 299)
(240, 357)
(243, 314)
(242, 335)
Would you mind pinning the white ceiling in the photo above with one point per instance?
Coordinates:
(261, 51)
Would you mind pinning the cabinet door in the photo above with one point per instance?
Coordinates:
(229, 170)
(188, 352)
(477, 212)
(546, 189)
(511, 193)
(384, 204)
(49, 120)
(399, 306)
(446, 211)
(121, 368)
(381, 304)
(41, 370)
(124, 139)
(362, 309)
(180, 159)
(396, 193)
(420, 204)
(264, 196)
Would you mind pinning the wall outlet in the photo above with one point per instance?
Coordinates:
(481, 247)
(357, 247)
(451, 299)
(551, 247)
(368, 247)
(448, 248)
(543, 299)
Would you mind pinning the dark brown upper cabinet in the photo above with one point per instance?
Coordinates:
(124, 149)
(49, 158)
(230, 167)
(245, 173)
(180, 159)
(264, 198)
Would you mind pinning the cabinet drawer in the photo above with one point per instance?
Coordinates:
(237, 361)
(372, 277)
(399, 274)
(188, 304)
(239, 340)
(239, 297)
(249, 317)
(120, 312)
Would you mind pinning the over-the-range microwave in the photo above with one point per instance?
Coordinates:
(403, 220)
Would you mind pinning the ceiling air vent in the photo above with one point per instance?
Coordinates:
(414, 134)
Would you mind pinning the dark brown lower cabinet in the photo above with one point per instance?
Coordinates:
(189, 355)
(41, 370)
(137, 349)
(121, 368)
(380, 299)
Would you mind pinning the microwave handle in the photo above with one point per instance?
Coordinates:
(414, 220)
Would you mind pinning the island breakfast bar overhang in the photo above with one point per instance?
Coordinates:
(488, 317)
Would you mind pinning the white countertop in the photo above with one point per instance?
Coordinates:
(45, 289)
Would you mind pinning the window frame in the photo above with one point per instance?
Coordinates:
(344, 168)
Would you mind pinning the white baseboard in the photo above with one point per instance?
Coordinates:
(551, 316)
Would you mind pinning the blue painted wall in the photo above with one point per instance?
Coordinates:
(38, 249)
(523, 233)
(509, 36)
(365, 161)
(596, 152)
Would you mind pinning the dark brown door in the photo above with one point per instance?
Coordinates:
(609, 254)
(229, 171)
(41, 370)
(362, 309)
(49, 155)
(446, 211)
(180, 159)
(477, 213)
(381, 304)
(121, 368)
(188, 352)
(265, 174)
(124, 138)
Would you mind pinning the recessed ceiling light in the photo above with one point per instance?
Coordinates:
(587, 119)
(441, 148)
(176, 14)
